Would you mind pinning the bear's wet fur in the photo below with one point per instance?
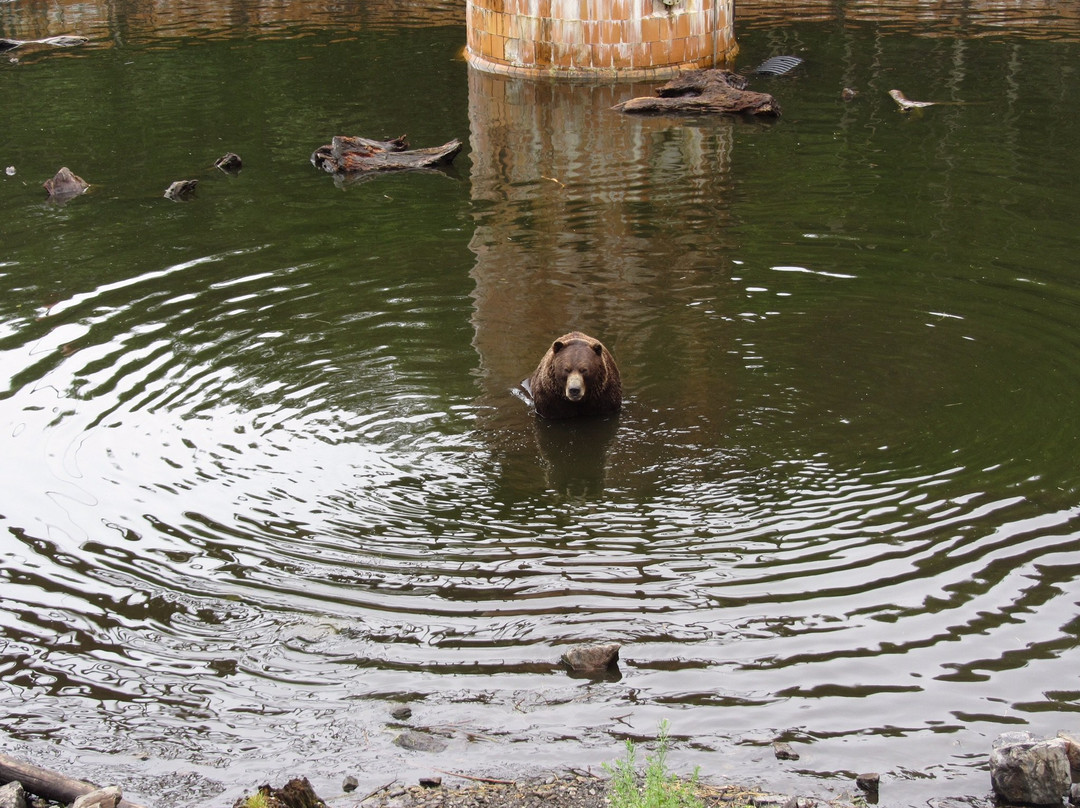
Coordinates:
(577, 376)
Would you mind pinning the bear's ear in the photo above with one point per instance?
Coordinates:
(557, 346)
(599, 349)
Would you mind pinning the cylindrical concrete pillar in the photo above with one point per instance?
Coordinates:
(599, 38)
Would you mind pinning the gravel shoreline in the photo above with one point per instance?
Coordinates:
(568, 789)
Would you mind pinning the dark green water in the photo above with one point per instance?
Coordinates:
(265, 475)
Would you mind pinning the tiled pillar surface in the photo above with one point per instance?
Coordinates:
(620, 38)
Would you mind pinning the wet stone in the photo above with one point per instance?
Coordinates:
(869, 783)
(420, 742)
(65, 184)
(783, 751)
(1028, 771)
(230, 163)
(181, 190)
(1072, 750)
(12, 795)
(101, 798)
(593, 657)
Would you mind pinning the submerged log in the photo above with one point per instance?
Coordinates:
(351, 155)
(47, 783)
(703, 91)
(54, 41)
(906, 103)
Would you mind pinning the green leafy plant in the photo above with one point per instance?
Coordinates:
(257, 800)
(656, 787)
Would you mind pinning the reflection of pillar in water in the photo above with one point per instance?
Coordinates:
(590, 220)
(625, 38)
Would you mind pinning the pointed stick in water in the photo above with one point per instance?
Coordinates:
(906, 103)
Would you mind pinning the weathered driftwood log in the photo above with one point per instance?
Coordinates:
(47, 783)
(55, 41)
(350, 155)
(703, 91)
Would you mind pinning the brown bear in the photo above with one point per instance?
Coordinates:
(577, 376)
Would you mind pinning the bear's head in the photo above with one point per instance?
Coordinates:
(578, 366)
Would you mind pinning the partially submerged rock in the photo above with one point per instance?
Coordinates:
(65, 184)
(420, 742)
(703, 91)
(353, 155)
(869, 783)
(229, 163)
(181, 190)
(783, 751)
(592, 659)
(1029, 771)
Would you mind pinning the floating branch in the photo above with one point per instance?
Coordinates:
(703, 91)
(352, 155)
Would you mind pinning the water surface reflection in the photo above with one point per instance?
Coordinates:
(266, 477)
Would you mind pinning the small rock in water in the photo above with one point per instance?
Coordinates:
(181, 189)
(1023, 770)
(402, 713)
(350, 783)
(229, 163)
(592, 658)
(430, 782)
(10, 171)
(783, 751)
(65, 184)
(869, 783)
(420, 742)
(102, 798)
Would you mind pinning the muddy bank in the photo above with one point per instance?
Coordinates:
(570, 788)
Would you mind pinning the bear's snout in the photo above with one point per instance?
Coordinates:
(575, 386)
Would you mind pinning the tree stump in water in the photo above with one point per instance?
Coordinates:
(700, 92)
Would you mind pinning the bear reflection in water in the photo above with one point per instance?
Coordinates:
(575, 453)
(576, 377)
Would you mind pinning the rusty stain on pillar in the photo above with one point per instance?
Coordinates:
(599, 38)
